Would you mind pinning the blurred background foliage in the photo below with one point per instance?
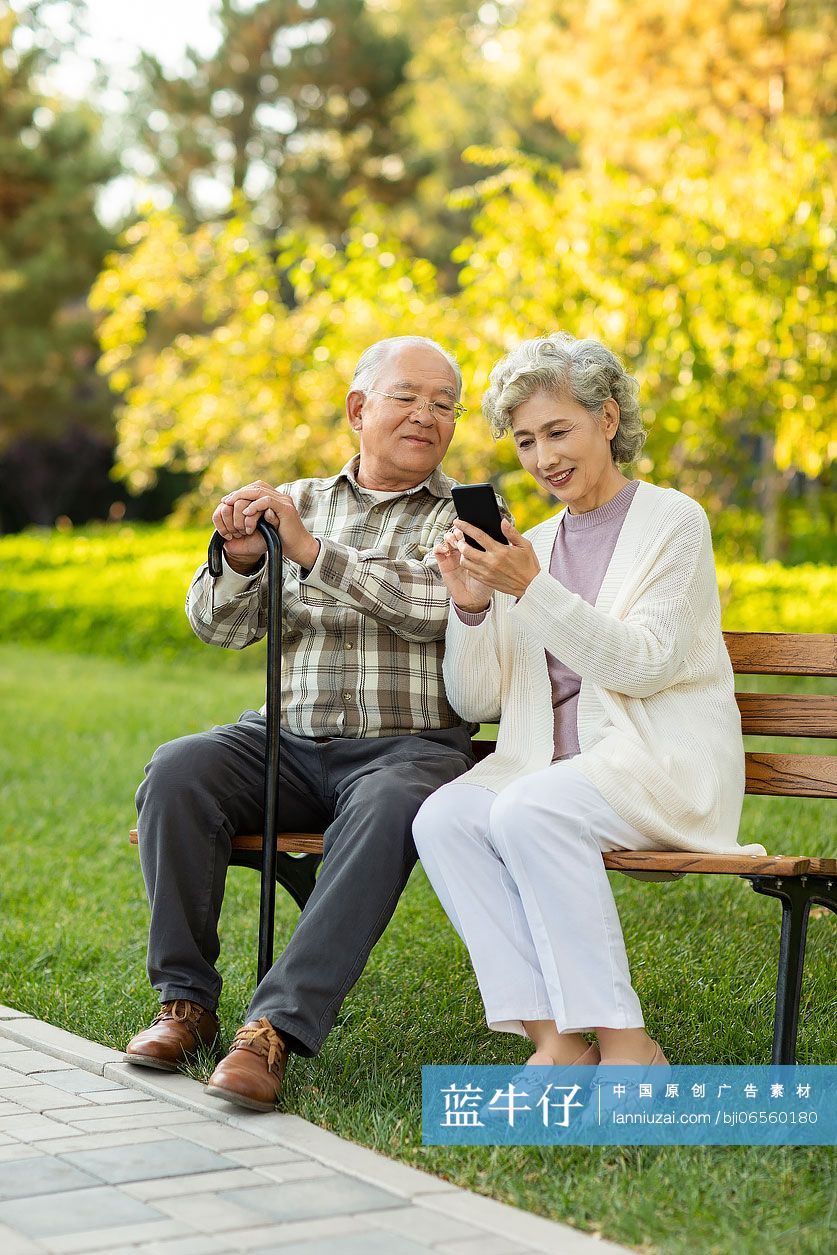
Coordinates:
(652, 172)
(120, 593)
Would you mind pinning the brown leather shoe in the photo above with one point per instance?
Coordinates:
(177, 1032)
(252, 1073)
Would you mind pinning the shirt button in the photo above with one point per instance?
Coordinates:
(349, 645)
(347, 697)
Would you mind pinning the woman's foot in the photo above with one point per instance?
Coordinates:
(588, 1055)
(552, 1049)
(540, 1059)
(655, 1060)
(628, 1047)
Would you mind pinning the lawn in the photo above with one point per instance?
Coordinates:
(73, 918)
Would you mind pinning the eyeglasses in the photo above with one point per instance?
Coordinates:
(442, 411)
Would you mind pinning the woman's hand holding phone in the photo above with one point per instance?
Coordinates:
(467, 592)
(507, 568)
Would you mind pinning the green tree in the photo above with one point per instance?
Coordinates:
(655, 86)
(294, 112)
(467, 82)
(257, 388)
(716, 290)
(701, 286)
(633, 81)
(708, 270)
(51, 242)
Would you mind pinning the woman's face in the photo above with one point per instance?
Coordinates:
(566, 449)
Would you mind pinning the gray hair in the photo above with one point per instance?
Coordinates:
(584, 369)
(373, 358)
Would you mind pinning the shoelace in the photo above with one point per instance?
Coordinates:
(181, 1009)
(264, 1038)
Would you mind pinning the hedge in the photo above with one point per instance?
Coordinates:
(120, 591)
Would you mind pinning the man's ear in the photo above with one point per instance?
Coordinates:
(354, 410)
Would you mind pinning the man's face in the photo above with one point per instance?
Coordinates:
(401, 442)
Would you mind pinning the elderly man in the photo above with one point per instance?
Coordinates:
(367, 731)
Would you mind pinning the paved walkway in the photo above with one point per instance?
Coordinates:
(97, 1155)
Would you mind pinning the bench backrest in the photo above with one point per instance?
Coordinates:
(781, 714)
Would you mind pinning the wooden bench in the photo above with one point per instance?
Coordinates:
(798, 882)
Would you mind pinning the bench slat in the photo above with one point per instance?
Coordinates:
(791, 775)
(782, 653)
(783, 775)
(616, 860)
(723, 864)
(788, 714)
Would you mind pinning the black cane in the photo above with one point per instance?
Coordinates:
(274, 695)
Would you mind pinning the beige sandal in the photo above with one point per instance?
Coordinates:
(658, 1058)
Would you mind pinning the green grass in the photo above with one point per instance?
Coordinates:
(73, 916)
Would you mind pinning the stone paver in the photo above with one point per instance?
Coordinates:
(42, 1097)
(13, 1243)
(97, 1123)
(301, 1170)
(356, 1244)
(195, 1183)
(481, 1246)
(144, 1107)
(95, 1141)
(9, 1079)
(77, 1081)
(422, 1226)
(46, 1175)
(100, 1156)
(31, 1126)
(72, 1050)
(105, 1239)
(22, 1060)
(147, 1161)
(219, 1136)
(309, 1199)
(274, 1236)
(257, 1158)
(202, 1245)
(74, 1211)
(12, 1150)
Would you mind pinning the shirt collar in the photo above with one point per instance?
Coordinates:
(437, 483)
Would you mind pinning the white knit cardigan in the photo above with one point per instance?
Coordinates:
(658, 726)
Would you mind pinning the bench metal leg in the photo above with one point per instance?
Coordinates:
(796, 896)
(295, 873)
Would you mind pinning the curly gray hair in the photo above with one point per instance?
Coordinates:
(585, 369)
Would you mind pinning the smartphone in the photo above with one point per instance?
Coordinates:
(476, 503)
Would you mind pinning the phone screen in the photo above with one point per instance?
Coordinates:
(476, 503)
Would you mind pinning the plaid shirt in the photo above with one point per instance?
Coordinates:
(364, 629)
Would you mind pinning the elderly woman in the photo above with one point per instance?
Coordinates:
(596, 640)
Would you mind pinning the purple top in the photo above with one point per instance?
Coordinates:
(584, 545)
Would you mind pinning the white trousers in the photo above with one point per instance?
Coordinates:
(521, 877)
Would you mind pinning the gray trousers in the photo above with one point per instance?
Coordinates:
(363, 794)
